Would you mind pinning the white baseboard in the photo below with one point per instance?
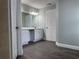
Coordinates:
(51, 40)
(67, 46)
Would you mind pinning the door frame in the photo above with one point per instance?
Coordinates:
(18, 18)
(19, 32)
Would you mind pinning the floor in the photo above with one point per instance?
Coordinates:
(48, 50)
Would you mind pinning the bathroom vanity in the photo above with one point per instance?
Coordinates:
(31, 31)
(31, 34)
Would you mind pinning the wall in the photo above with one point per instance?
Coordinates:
(48, 22)
(68, 22)
(27, 8)
(4, 30)
(41, 20)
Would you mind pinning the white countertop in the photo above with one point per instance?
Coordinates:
(29, 28)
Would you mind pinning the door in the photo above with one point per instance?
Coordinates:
(16, 33)
(19, 30)
(51, 25)
(13, 29)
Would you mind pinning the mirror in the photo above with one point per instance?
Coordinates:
(28, 20)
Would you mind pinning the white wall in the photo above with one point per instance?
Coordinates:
(41, 20)
(68, 25)
(28, 9)
(48, 20)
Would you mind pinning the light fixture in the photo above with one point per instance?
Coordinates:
(33, 13)
(49, 4)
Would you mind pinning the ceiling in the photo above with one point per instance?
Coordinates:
(38, 3)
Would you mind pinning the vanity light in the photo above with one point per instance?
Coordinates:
(33, 13)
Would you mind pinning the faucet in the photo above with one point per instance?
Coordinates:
(35, 27)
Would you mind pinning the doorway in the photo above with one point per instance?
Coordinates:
(48, 49)
(37, 32)
(51, 25)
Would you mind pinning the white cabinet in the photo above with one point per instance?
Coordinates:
(25, 36)
(38, 35)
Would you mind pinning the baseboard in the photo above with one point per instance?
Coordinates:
(51, 40)
(67, 46)
(34, 42)
(19, 56)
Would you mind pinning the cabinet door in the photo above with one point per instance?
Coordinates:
(38, 35)
(25, 37)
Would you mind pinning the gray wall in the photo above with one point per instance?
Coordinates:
(4, 30)
(68, 25)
